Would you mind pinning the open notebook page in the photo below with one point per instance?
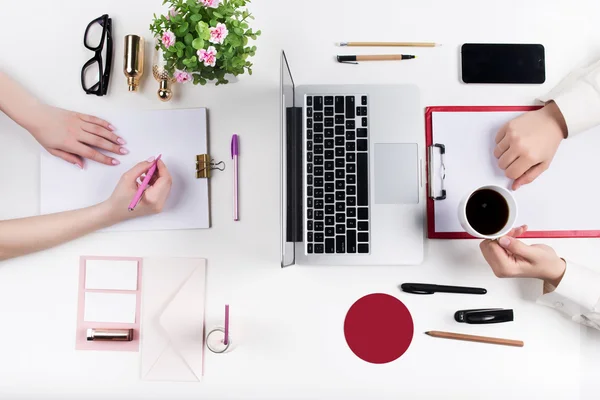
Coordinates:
(564, 198)
(179, 135)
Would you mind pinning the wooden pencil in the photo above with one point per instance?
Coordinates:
(388, 44)
(473, 338)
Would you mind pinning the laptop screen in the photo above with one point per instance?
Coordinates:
(291, 173)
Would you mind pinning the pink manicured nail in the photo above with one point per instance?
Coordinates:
(123, 150)
(151, 159)
(78, 166)
(112, 128)
(115, 162)
(121, 141)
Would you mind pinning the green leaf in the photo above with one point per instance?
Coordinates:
(195, 17)
(188, 39)
(203, 30)
(180, 46)
(249, 71)
(183, 28)
(180, 53)
(218, 14)
(245, 41)
(236, 23)
(244, 25)
(213, 22)
(198, 43)
(258, 32)
(201, 27)
(239, 31)
(172, 49)
(202, 81)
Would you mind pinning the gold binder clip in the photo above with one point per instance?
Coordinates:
(204, 165)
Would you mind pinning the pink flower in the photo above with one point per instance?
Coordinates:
(172, 12)
(218, 34)
(208, 56)
(168, 39)
(211, 3)
(182, 76)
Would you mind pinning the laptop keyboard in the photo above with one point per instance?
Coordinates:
(337, 174)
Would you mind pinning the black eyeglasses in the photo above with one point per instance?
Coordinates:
(95, 73)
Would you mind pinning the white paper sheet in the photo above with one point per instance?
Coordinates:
(110, 307)
(179, 135)
(111, 274)
(563, 198)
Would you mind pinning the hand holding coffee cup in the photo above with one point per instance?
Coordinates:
(488, 212)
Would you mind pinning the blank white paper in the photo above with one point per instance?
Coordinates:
(563, 198)
(110, 307)
(111, 274)
(179, 135)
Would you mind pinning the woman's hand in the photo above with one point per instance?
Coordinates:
(526, 145)
(511, 258)
(75, 137)
(154, 197)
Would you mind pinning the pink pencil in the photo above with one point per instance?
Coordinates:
(226, 339)
(144, 185)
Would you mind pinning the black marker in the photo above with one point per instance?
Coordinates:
(426, 288)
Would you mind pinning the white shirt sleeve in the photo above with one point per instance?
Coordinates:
(577, 295)
(578, 98)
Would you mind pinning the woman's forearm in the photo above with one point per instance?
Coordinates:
(28, 235)
(16, 102)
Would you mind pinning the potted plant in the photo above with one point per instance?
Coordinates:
(205, 40)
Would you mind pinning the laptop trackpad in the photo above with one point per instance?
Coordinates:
(396, 173)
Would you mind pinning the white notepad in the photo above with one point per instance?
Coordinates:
(562, 202)
(111, 274)
(179, 135)
(110, 307)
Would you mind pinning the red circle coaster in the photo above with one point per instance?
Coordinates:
(378, 328)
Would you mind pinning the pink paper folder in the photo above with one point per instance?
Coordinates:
(81, 342)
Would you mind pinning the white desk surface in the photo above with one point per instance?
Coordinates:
(288, 324)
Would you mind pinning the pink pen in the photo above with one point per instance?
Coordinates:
(235, 151)
(144, 185)
(226, 333)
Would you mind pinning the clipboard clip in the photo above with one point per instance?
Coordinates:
(204, 165)
(442, 150)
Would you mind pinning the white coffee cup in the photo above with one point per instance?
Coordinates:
(512, 212)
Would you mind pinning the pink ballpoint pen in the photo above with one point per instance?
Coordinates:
(144, 185)
(226, 333)
(235, 151)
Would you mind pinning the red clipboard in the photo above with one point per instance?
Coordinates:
(431, 232)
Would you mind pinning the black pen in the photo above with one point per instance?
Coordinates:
(426, 288)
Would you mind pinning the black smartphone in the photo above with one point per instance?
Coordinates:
(503, 63)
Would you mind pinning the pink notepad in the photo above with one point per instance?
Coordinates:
(111, 285)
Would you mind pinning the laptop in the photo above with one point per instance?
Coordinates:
(352, 162)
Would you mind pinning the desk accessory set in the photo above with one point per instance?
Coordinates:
(188, 39)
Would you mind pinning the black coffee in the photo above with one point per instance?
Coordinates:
(487, 211)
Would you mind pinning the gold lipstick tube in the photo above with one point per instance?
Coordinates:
(133, 62)
(111, 335)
